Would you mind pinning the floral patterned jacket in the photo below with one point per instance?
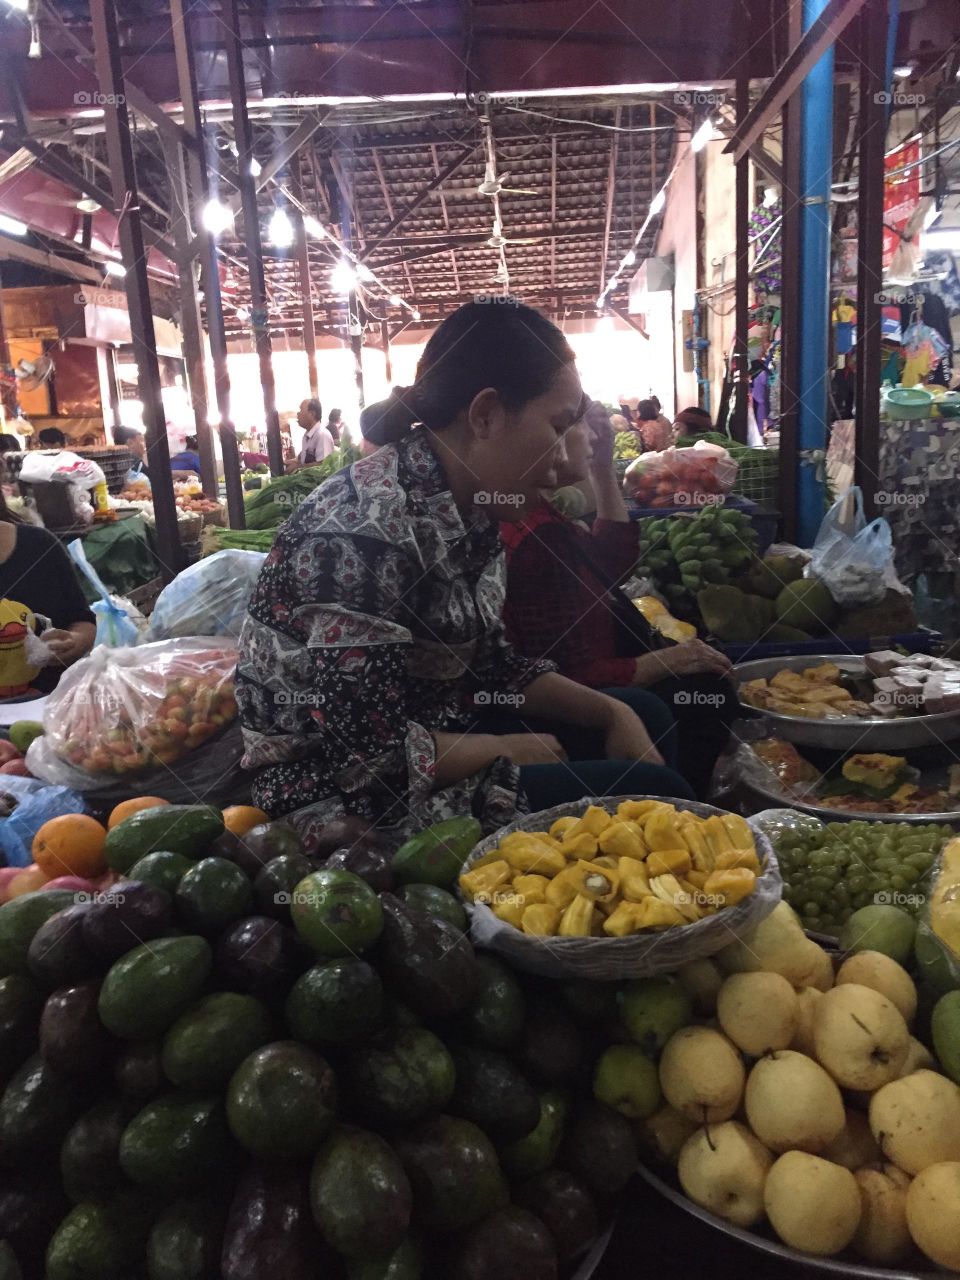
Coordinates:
(376, 622)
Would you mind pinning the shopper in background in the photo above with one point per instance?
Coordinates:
(693, 422)
(318, 443)
(188, 459)
(51, 438)
(9, 443)
(374, 644)
(655, 430)
(335, 425)
(564, 603)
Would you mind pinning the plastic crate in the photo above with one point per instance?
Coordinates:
(922, 641)
(759, 479)
(114, 461)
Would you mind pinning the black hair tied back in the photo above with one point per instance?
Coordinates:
(389, 420)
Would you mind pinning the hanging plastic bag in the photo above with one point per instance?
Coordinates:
(120, 712)
(116, 626)
(851, 558)
(209, 598)
(688, 477)
(36, 803)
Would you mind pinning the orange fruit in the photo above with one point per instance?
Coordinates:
(126, 808)
(241, 818)
(71, 845)
(28, 880)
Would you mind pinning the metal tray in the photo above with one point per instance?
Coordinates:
(765, 1244)
(871, 733)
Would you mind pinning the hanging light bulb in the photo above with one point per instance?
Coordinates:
(281, 229)
(629, 258)
(35, 51)
(314, 227)
(658, 201)
(256, 168)
(415, 314)
(903, 72)
(396, 300)
(114, 269)
(703, 135)
(600, 301)
(343, 278)
(243, 315)
(217, 217)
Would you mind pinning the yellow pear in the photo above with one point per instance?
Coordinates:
(792, 1104)
(882, 1236)
(758, 1011)
(701, 980)
(807, 1000)
(701, 1075)
(723, 1168)
(875, 970)
(916, 1121)
(860, 1037)
(665, 1132)
(919, 1058)
(776, 945)
(820, 974)
(812, 1204)
(933, 1212)
(855, 1145)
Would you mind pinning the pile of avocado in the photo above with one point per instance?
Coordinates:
(244, 1062)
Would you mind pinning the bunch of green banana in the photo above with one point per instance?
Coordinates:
(683, 554)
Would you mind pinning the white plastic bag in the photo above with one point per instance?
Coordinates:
(639, 955)
(209, 598)
(851, 558)
(60, 466)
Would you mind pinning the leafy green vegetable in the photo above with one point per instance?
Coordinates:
(267, 508)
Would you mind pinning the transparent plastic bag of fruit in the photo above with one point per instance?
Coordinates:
(639, 955)
(209, 598)
(121, 712)
(937, 947)
(680, 477)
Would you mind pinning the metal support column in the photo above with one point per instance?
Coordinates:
(790, 296)
(120, 151)
(387, 361)
(199, 183)
(871, 143)
(193, 349)
(741, 356)
(230, 16)
(816, 170)
(306, 291)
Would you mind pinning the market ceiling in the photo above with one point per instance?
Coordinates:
(402, 92)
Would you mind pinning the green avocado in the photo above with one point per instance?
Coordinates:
(492, 1093)
(20, 920)
(149, 987)
(335, 1002)
(537, 1150)
(213, 893)
(163, 869)
(90, 1155)
(206, 1044)
(436, 856)
(178, 1142)
(37, 1108)
(87, 1245)
(176, 828)
(20, 1007)
(185, 1242)
(433, 901)
(453, 1169)
(405, 1263)
(281, 1100)
(359, 1194)
(405, 1076)
(336, 913)
(495, 1018)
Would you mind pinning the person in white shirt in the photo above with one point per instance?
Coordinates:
(318, 442)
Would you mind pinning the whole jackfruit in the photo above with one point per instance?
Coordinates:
(808, 605)
(779, 633)
(768, 577)
(734, 616)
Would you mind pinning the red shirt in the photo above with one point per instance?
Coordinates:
(557, 604)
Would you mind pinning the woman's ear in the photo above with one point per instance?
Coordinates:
(485, 414)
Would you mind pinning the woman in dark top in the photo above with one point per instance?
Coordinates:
(374, 643)
(39, 594)
(563, 603)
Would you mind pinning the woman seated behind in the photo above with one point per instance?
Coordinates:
(374, 643)
(563, 603)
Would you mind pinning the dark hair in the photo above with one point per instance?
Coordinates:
(512, 348)
(336, 415)
(52, 436)
(656, 403)
(647, 411)
(695, 418)
(315, 407)
(123, 435)
(9, 443)
(191, 442)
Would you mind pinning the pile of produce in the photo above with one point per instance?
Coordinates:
(680, 477)
(836, 869)
(806, 1101)
(683, 554)
(650, 867)
(627, 445)
(236, 1061)
(195, 505)
(267, 508)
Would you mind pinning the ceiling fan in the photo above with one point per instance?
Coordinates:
(32, 374)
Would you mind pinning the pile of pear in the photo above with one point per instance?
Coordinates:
(803, 1100)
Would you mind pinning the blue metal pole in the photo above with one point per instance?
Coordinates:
(816, 167)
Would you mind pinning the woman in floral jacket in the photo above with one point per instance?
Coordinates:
(374, 645)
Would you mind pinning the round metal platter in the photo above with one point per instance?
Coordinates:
(784, 799)
(848, 733)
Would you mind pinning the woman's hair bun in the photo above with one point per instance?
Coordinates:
(389, 420)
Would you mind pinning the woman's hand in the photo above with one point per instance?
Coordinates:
(531, 748)
(627, 738)
(601, 438)
(691, 657)
(66, 646)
